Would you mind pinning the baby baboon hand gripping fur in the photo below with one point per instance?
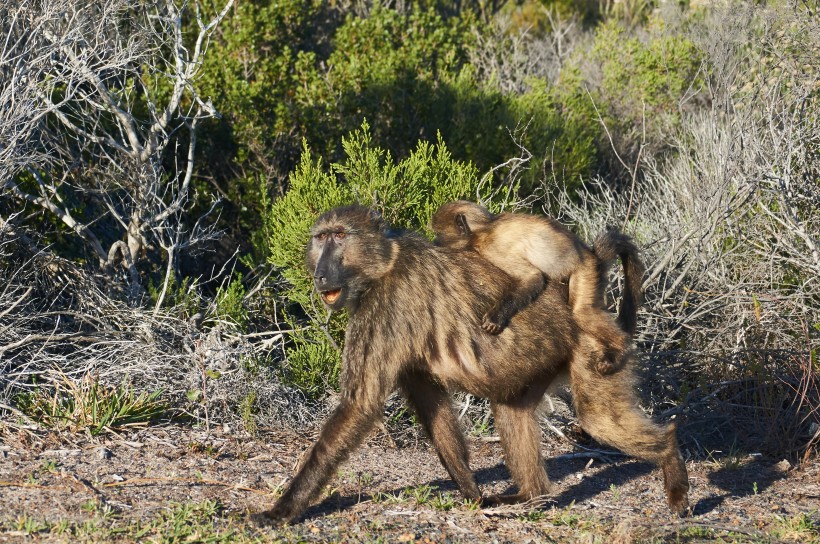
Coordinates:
(533, 249)
(414, 325)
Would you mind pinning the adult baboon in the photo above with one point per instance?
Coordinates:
(533, 249)
(414, 324)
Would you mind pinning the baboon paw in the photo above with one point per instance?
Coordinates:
(491, 501)
(492, 323)
(679, 504)
(269, 518)
(681, 509)
(490, 327)
(515, 498)
(604, 367)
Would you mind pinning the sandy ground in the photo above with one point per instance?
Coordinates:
(139, 475)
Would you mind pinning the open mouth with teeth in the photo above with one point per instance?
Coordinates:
(329, 297)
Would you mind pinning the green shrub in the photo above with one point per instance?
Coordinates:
(291, 73)
(561, 132)
(657, 72)
(406, 193)
(180, 297)
(408, 75)
(253, 74)
(644, 84)
(230, 303)
(88, 405)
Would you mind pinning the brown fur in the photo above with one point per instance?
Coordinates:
(533, 249)
(414, 325)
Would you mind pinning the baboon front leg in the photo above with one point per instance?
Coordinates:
(520, 434)
(515, 298)
(432, 406)
(342, 432)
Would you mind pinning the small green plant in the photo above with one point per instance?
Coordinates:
(483, 426)
(616, 493)
(247, 410)
(30, 526)
(696, 532)
(390, 498)
(532, 515)
(380, 497)
(364, 479)
(50, 465)
(443, 501)
(230, 303)
(61, 527)
(754, 487)
(802, 527)
(566, 517)
(88, 405)
(199, 447)
(422, 493)
(88, 528)
(732, 460)
(181, 298)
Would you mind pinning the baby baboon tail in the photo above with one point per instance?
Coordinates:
(607, 247)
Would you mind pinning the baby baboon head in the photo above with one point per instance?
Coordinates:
(455, 222)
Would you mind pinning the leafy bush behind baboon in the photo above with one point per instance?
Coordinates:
(304, 71)
(405, 192)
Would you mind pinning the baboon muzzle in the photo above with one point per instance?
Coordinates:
(328, 278)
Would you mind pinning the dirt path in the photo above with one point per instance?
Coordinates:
(53, 489)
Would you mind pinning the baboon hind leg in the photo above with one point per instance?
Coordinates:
(432, 406)
(611, 416)
(520, 434)
(586, 298)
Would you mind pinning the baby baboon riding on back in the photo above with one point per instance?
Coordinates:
(534, 249)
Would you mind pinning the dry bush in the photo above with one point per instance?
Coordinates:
(59, 328)
(98, 123)
(512, 56)
(99, 112)
(730, 226)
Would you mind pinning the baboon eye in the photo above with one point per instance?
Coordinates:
(321, 236)
(340, 235)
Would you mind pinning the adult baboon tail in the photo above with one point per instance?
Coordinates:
(607, 247)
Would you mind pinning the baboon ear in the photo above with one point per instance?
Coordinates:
(461, 224)
(376, 219)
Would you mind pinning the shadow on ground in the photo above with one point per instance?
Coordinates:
(591, 485)
(740, 481)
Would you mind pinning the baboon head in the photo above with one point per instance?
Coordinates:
(456, 221)
(350, 247)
